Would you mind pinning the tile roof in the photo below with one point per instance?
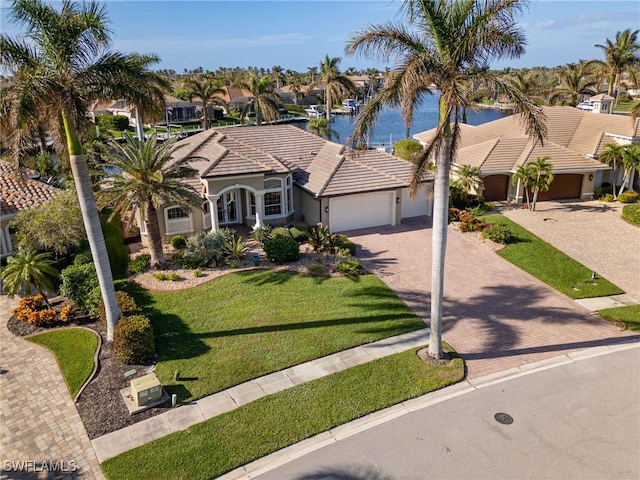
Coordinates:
(321, 167)
(573, 137)
(20, 192)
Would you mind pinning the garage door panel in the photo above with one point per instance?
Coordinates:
(361, 211)
(496, 187)
(563, 187)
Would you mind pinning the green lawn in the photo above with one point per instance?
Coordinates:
(223, 443)
(628, 316)
(248, 324)
(550, 265)
(74, 349)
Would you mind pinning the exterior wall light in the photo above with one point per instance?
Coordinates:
(326, 209)
(591, 177)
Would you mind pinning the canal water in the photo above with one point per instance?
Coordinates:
(390, 126)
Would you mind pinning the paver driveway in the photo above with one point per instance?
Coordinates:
(495, 315)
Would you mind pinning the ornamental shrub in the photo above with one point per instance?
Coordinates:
(282, 249)
(126, 305)
(262, 234)
(139, 264)
(628, 197)
(113, 122)
(78, 281)
(631, 213)
(281, 231)
(204, 249)
(350, 267)
(178, 242)
(608, 197)
(298, 235)
(499, 234)
(82, 257)
(34, 311)
(133, 340)
(345, 245)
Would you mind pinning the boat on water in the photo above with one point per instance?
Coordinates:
(586, 105)
(314, 112)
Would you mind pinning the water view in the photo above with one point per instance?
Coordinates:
(390, 126)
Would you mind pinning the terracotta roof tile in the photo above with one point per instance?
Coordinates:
(20, 192)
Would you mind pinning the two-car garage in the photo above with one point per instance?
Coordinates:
(565, 186)
(351, 212)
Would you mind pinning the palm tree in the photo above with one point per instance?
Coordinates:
(145, 177)
(321, 127)
(265, 99)
(208, 91)
(613, 155)
(630, 162)
(445, 43)
(540, 177)
(28, 268)
(574, 82)
(336, 84)
(65, 64)
(469, 179)
(619, 55)
(523, 176)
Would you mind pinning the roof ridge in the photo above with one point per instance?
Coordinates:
(340, 155)
(217, 138)
(256, 149)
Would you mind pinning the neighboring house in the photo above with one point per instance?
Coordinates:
(574, 140)
(277, 174)
(19, 192)
(176, 111)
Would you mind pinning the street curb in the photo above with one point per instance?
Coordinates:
(284, 456)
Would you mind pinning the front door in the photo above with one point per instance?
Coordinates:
(228, 208)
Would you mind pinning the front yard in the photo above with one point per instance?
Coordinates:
(248, 324)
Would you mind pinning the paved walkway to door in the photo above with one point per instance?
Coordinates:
(495, 315)
(39, 423)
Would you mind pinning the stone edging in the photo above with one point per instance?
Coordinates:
(96, 355)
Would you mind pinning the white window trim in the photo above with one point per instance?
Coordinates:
(281, 191)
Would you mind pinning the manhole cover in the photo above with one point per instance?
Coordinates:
(503, 418)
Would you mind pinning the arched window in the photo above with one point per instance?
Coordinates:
(177, 220)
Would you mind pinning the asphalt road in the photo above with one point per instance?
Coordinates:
(579, 420)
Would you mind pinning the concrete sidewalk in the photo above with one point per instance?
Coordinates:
(184, 416)
(574, 417)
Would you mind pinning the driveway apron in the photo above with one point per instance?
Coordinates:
(41, 431)
(495, 315)
(593, 233)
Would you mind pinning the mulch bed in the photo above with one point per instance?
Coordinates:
(100, 405)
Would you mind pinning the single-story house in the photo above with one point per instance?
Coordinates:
(278, 174)
(575, 139)
(19, 192)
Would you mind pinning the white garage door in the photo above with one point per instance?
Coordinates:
(361, 211)
(417, 206)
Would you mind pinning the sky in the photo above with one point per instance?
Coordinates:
(297, 34)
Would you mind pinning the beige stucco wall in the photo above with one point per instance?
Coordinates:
(307, 207)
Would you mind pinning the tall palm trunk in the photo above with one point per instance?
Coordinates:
(92, 226)
(155, 238)
(439, 238)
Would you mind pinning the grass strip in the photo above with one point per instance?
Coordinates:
(248, 324)
(550, 265)
(223, 443)
(74, 349)
(627, 317)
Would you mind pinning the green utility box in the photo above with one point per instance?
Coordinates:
(146, 389)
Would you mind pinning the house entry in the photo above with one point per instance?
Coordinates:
(228, 208)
